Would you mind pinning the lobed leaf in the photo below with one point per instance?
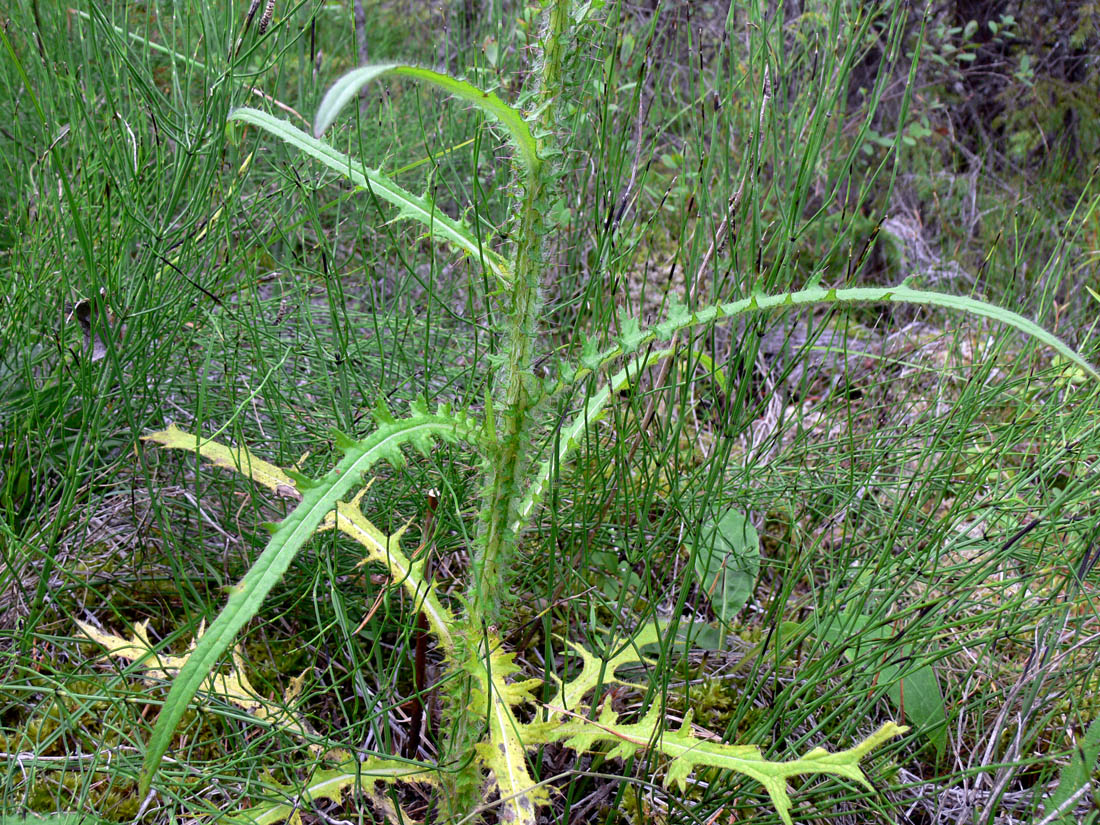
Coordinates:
(681, 318)
(386, 550)
(233, 687)
(293, 532)
(688, 751)
(505, 754)
(596, 671)
(567, 722)
(330, 785)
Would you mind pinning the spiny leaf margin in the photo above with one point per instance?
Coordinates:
(233, 687)
(330, 784)
(816, 295)
(687, 751)
(410, 574)
(239, 459)
(505, 752)
(566, 722)
(294, 531)
(413, 207)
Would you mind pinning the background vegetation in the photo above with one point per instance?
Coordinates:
(923, 484)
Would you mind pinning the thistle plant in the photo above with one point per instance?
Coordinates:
(489, 744)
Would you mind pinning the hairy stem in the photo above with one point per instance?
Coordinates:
(517, 394)
(504, 489)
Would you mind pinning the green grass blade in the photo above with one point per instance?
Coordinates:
(143, 41)
(413, 207)
(348, 86)
(293, 532)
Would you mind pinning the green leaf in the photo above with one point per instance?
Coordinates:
(919, 698)
(348, 86)
(567, 722)
(1074, 776)
(410, 206)
(302, 481)
(631, 334)
(698, 635)
(727, 561)
(572, 434)
(294, 531)
(715, 372)
(914, 691)
(857, 295)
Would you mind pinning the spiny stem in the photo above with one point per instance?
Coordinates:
(504, 489)
(518, 394)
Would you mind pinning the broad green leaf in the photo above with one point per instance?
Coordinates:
(698, 635)
(914, 691)
(348, 86)
(293, 532)
(919, 698)
(413, 207)
(727, 561)
(1077, 774)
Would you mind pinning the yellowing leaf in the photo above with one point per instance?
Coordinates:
(688, 752)
(331, 785)
(685, 750)
(237, 459)
(386, 550)
(232, 687)
(505, 753)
